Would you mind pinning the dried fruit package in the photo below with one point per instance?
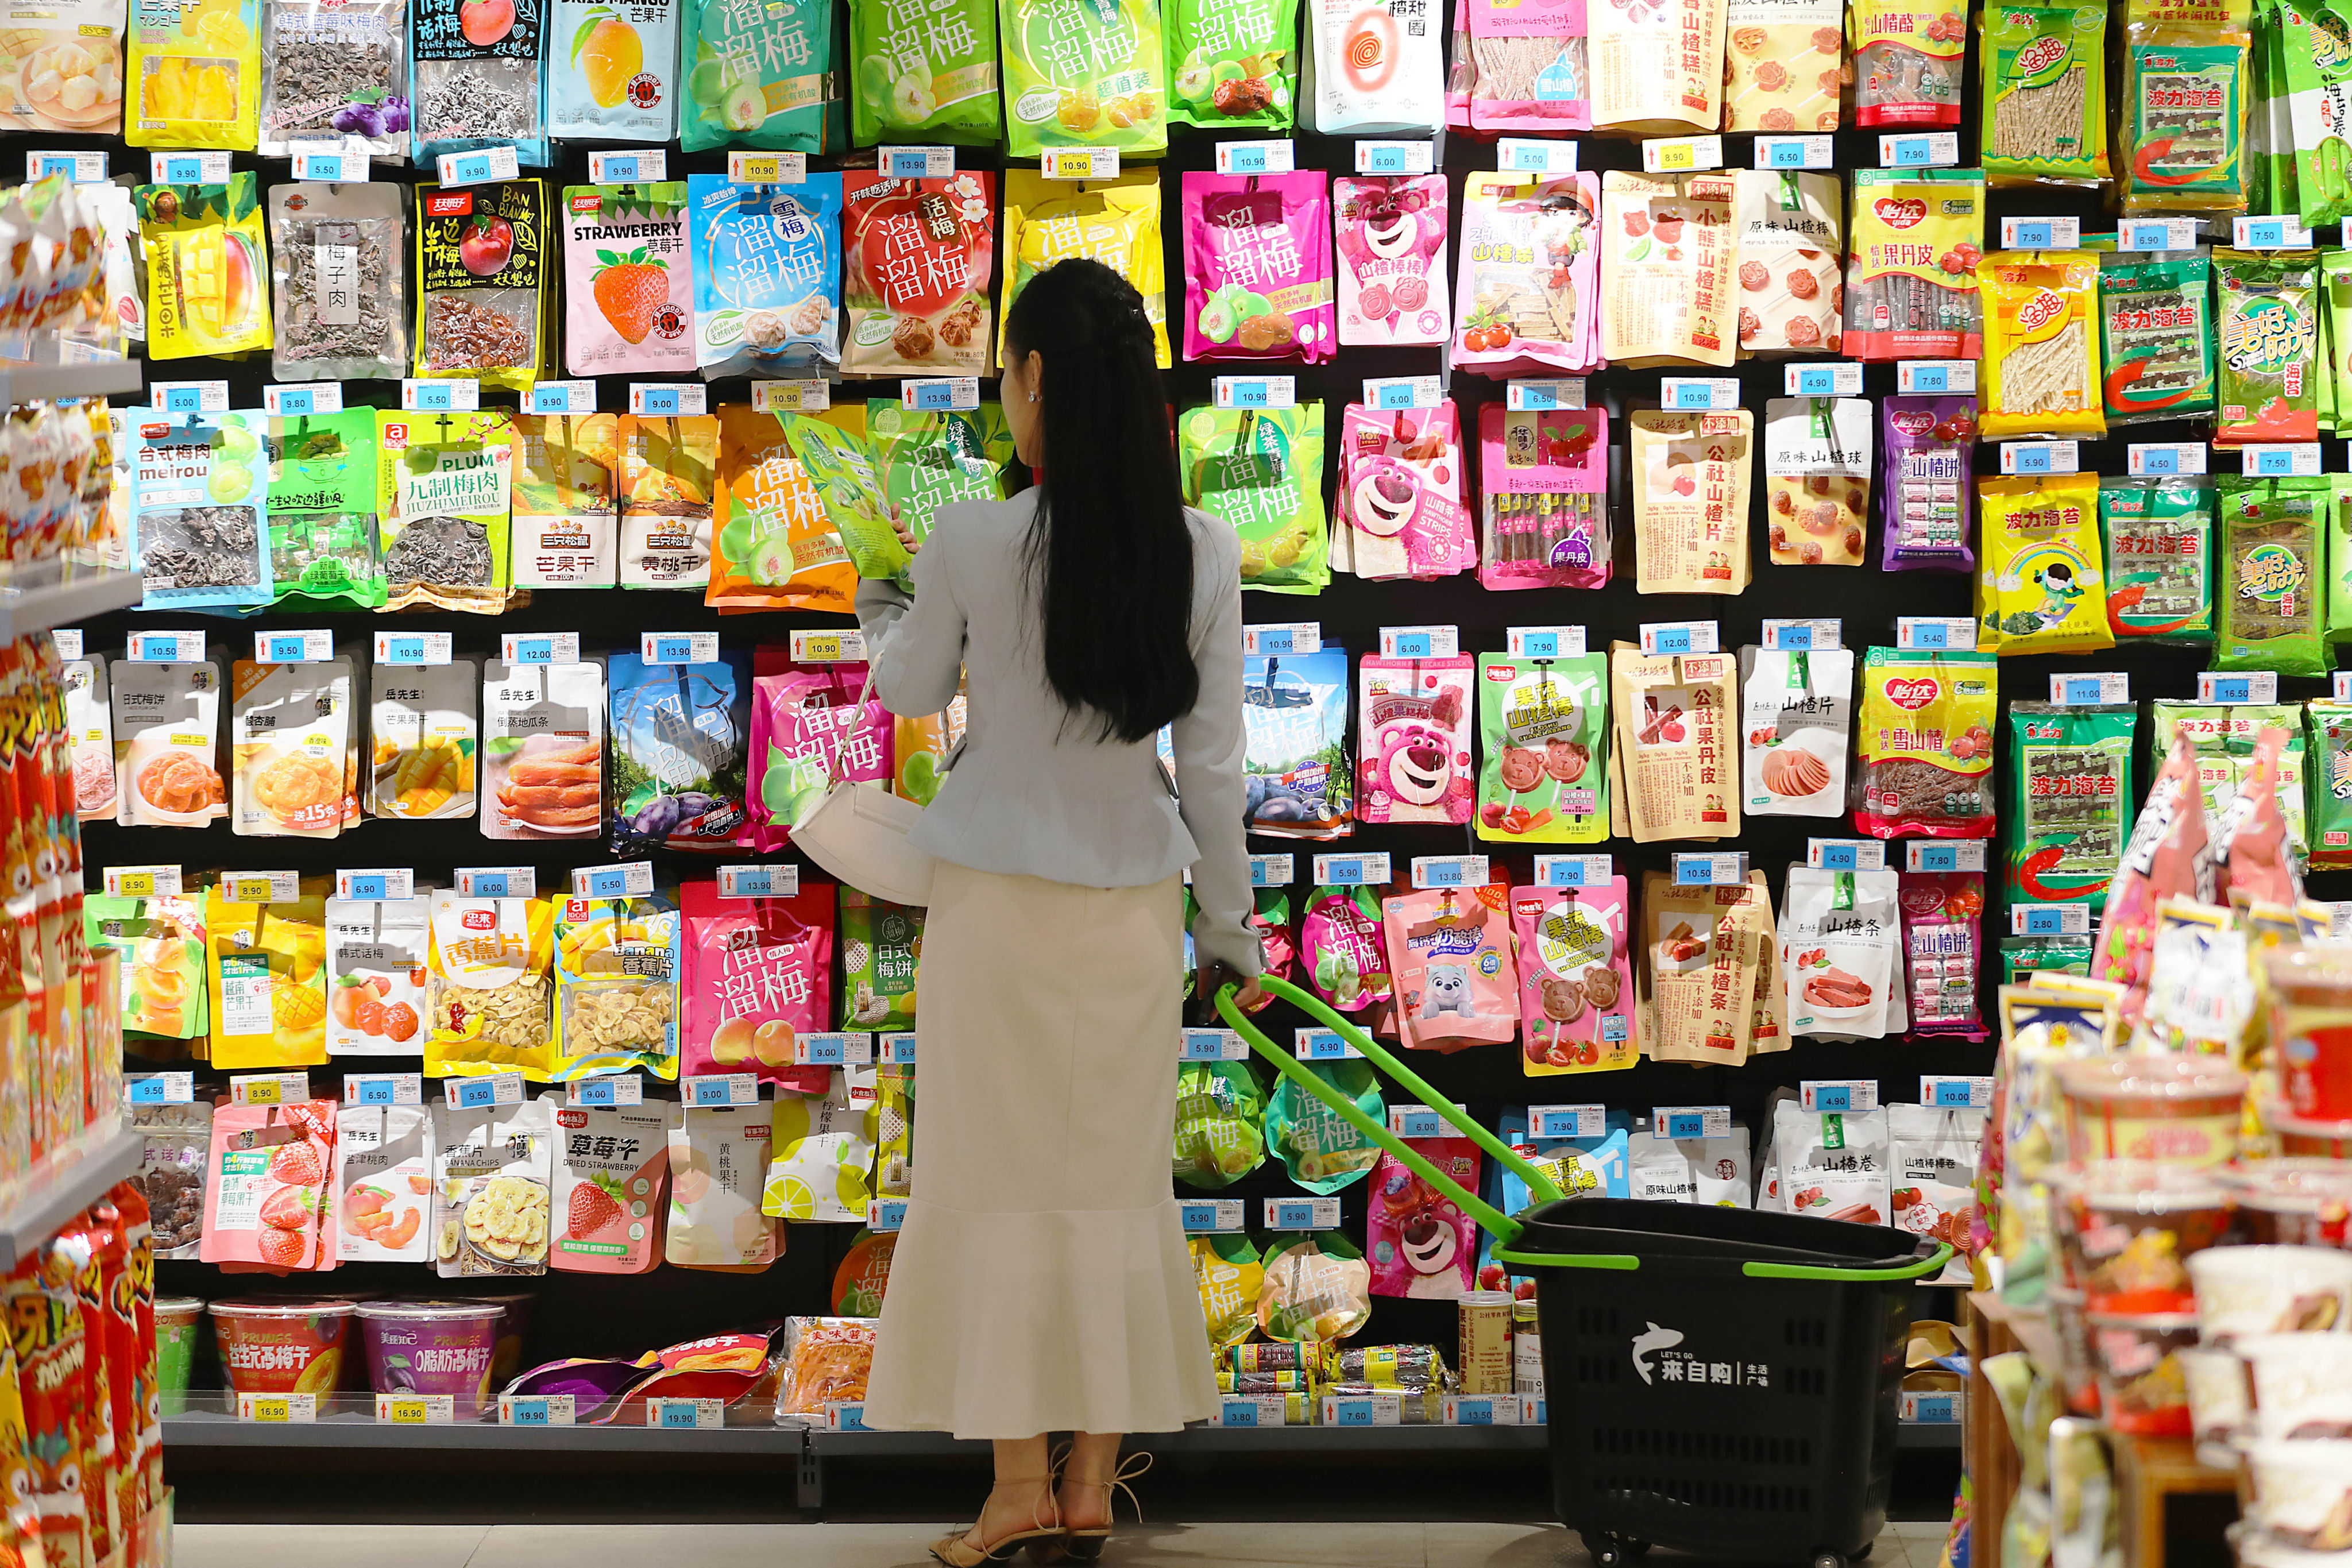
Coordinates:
(1257, 275)
(1691, 478)
(628, 292)
(717, 1170)
(67, 72)
(2045, 95)
(1841, 938)
(924, 72)
(453, 474)
(565, 517)
(1791, 235)
(2041, 583)
(484, 286)
(194, 77)
(821, 1163)
(776, 547)
(759, 976)
(1668, 247)
(1294, 768)
(1907, 62)
(1115, 222)
(167, 722)
(1670, 768)
(1785, 65)
(1261, 471)
(322, 524)
(2182, 134)
(293, 733)
(764, 262)
(1391, 259)
(1657, 69)
(801, 717)
(336, 69)
(1519, 68)
(1796, 710)
(543, 749)
(1231, 63)
(1926, 501)
(377, 950)
(494, 1180)
(680, 733)
(2157, 316)
(1543, 727)
(916, 263)
(2159, 539)
(2270, 368)
(1079, 74)
(1528, 294)
(881, 951)
(1576, 980)
(89, 731)
(757, 78)
(929, 459)
(199, 504)
(1911, 264)
(207, 268)
(920, 747)
(161, 940)
(265, 1200)
(477, 80)
(1414, 720)
(2042, 345)
(1925, 746)
(384, 1183)
(1402, 476)
(668, 468)
(493, 995)
(1817, 467)
(2273, 548)
(267, 980)
(1456, 985)
(2070, 772)
(1341, 949)
(171, 1170)
(612, 70)
(1833, 1164)
(618, 964)
(421, 740)
(612, 1182)
(841, 465)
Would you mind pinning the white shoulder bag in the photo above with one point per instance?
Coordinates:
(860, 833)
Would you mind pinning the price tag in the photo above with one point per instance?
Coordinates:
(336, 162)
(537, 1409)
(629, 880)
(2255, 686)
(2041, 457)
(497, 882)
(308, 397)
(678, 647)
(563, 397)
(415, 1409)
(1936, 634)
(1080, 163)
(269, 1088)
(1481, 1410)
(146, 881)
(2050, 920)
(2297, 459)
(885, 1214)
(720, 1091)
(479, 167)
(767, 168)
(413, 648)
(1841, 378)
(1934, 377)
(846, 1415)
(1568, 1120)
(1723, 869)
(2157, 234)
(1922, 1409)
(1574, 870)
(1803, 636)
(78, 168)
(189, 396)
(188, 168)
(2040, 233)
(1775, 153)
(161, 1088)
(1919, 150)
(479, 1093)
(1403, 392)
(1542, 396)
(278, 1407)
(1256, 157)
(1681, 636)
(261, 886)
(1419, 642)
(1681, 154)
(1213, 1045)
(898, 1050)
(165, 647)
(1845, 854)
(1258, 1410)
(2161, 458)
(915, 162)
(1324, 1046)
(614, 1090)
(641, 166)
(1519, 155)
(1212, 1214)
(1395, 157)
(376, 885)
(540, 647)
(1302, 1214)
(69, 642)
(838, 1049)
(829, 648)
(1838, 1094)
(1297, 636)
(1697, 394)
(1364, 1410)
(441, 395)
(293, 647)
(2276, 232)
(1544, 642)
(792, 397)
(1353, 870)
(1692, 1121)
(2340, 684)
(2108, 686)
(1945, 855)
(934, 393)
(1957, 1094)
(1271, 870)
(1449, 871)
(1257, 391)
(668, 398)
(686, 1415)
(758, 881)
(1416, 1122)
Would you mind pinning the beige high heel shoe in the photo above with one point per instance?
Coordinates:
(959, 1550)
(1087, 1545)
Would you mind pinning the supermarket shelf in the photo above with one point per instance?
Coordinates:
(58, 593)
(61, 1187)
(1928, 1435)
(24, 380)
(1208, 1441)
(218, 1429)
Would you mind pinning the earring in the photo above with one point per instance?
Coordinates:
(1032, 397)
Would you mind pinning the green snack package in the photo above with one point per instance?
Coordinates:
(1082, 73)
(2045, 95)
(2339, 557)
(1191, 961)
(322, 528)
(2159, 534)
(1220, 1112)
(2268, 321)
(2183, 126)
(445, 505)
(2158, 338)
(2223, 736)
(2271, 547)
(2324, 356)
(842, 468)
(756, 75)
(2327, 742)
(880, 944)
(925, 71)
(1261, 470)
(1543, 729)
(2071, 774)
(929, 458)
(2317, 59)
(1231, 63)
(1323, 1152)
(2336, 297)
(2023, 957)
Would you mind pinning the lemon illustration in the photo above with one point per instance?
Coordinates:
(789, 1198)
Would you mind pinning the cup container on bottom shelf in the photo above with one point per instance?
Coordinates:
(2127, 1229)
(2270, 1291)
(432, 1348)
(2300, 1494)
(2296, 1200)
(282, 1346)
(178, 1320)
(2301, 1384)
(2142, 1386)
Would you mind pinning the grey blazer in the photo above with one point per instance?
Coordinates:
(1034, 792)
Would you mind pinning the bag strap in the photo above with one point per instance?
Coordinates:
(832, 779)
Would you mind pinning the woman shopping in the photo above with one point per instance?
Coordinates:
(1042, 1283)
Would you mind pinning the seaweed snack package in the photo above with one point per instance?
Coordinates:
(1926, 744)
(1115, 222)
(1691, 476)
(1833, 1164)
(2312, 161)
(1422, 1245)
(89, 730)
(478, 73)
(323, 552)
(926, 459)
(2268, 381)
(612, 1182)
(339, 268)
(2041, 586)
(1842, 945)
(759, 79)
(543, 751)
(1796, 710)
(618, 964)
(2157, 317)
(565, 515)
(1658, 72)
(1401, 484)
(1576, 979)
(1785, 66)
(1231, 66)
(384, 1183)
(67, 68)
(2328, 744)
(1257, 275)
(1084, 75)
(207, 268)
(801, 717)
(2045, 96)
(1911, 264)
(2270, 599)
(2070, 769)
(717, 1175)
(267, 1195)
(881, 948)
(922, 72)
(453, 474)
(1528, 294)
(1673, 748)
(493, 1192)
(167, 719)
(1342, 949)
(1294, 744)
(1943, 939)
(2159, 539)
(267, 980)
(1414, 720)
(161, 940)
(680, 733)
(822, 1167)
(1231, 1279)
(628, 295)
(1667, 269)
(377, 950)
(669, 465)
(484, 284)
(492, 991)
(2042, 346)
(1543, 728)
(421, 740)
(195, 76)
(1372, 67)
(2182, 128)
(1907, 62)
(916, 260)
(1817, 465)
(336, 70)
(1790, 233)
(1391, 259)
(1323, 1152)
(759, 976)
(296, 749)
(1220, 1112)
(612, 70)
(1261, 471)
(1545, 523)
(199, 510)
(766, 261)
(1455, 983)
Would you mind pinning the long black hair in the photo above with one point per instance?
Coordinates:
(1110, 544)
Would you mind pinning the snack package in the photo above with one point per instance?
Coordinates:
(199, 529)
(297, 766)
(1544, 475)
(1691, 476)
(339, 268)
(265, 1196)
(1935, 1152)
(1413, 720)
(477, 80)
(1833, 1164)
(2329, 747)
(1543, 726)
(207, 268)
(1399, 497)
(1261, 470)
(1372, 67)
(759, 976)
(323, 550)
(377, 950)
(2157, 317)
(2041, 345)
(1422, 1245)
(882, 946)
(612, 1182)
(916, 259)
(2270, 598)
(1784, 65)
(1790, 233)
(617, 966)
(166, 738)
(1659, 73)
(2041, 583)
(1083, 76)
(2045, 96)
(1704, 957)
(612, 70)
(89, 730)
(1907, 62)
(923, 75)
(1667, 250)
(1943, 939)
(928, 459)
(2311, 160)
(2159, 557)
(195, 76)
(1841, 945)
(543, 749)
(454, 475)
(629, 294)
(1342, 949)
(1318, 1289)
(681, 733)
(1231, 68)
(483, 282)
(801, 717)
(765, 261)
(384, 1183)
(1910, 277)
(1671, 762)
(1817, 464)
(668, 468)
(492, 992)
(921, 748)
(1796, 710)
(1926, 744)
(1294, 764)
(758, 79)
(2071, 768)
(718, 1171)
(2268, 318)
(1220, 1112)
(1229, 1278)
(1576, 978)
(161, 940)
(564, 518)
(2168, 855)
(267, 980)
(1114, 221)
(1257, 278)
(421, 740)
(1528, 290)
(1519, 68)
(174, 1164)
(1456, 985)
(67, 71)
(493, 1195)
(821, 1166)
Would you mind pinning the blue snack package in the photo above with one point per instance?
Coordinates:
(199, 508)
(1578, 1167)
(680, 746)
(612, 70)
(1294, 744)
(767, 275)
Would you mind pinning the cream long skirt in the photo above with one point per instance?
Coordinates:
(1042, 1282)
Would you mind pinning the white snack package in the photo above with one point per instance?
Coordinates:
(89, 725)
(1374, 66)
(384, 1183)
(1832, 1164)
(167, 743)
(1840, 934)
(377, 995)
(1796, 716)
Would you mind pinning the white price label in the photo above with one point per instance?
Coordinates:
(261, 886)
(1256, 390)
(540, 647)
(165, 647)
(479, 167)
(1681, 636)
(1297, 637)
(1419, 642)
(1936, 634)
(636, 167)
(1720, 868)
(2040, 233)
(678, 647)
(2041, 457)
(383, 1089)
(1845, 854)
(2106, 686)
(767, 168)
(440, 395)
(1544, 642)
(377, 884)
(1919, 150)
(2156, 233)
(1353, 870)
(1574, 870)
(686, 1415)
(312, 647)
(1804, 636)
(778, 881)
(141, 881)
(2257, 686)
(1302, 1214)
(829, 648)
(1256, 157)
(790, 397)
(538, 1409)
(2048, 919)
(1540, 396)
(497, 882)
(344, 162)
(1777, 154)
(1212, 1045)
(294, 400)
(666, 398)
(67, 640)
(413, 648)
(610, 1089)
(1681, 154)
(1692, 1121)
(628, 879)
(561, 397)
(1568, 1120)
(1271, 870)
(1450, 870)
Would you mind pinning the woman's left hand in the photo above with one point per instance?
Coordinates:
(906, 532)
(1215, 974)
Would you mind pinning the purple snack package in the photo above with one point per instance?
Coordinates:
(1257, 273)
(1926, 490)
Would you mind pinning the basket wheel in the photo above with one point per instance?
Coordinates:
(1829, 1560)
(1607, 1551)
(1866, 1550)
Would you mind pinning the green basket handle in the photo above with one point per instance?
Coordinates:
(1493, 1221)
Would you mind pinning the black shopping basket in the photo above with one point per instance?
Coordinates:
(1714, 1380)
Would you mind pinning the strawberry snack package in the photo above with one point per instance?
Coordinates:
(1391, 260)
(628, 292)
(611, 1185)
(267, 1185)
(1413, 720)
(1257, 280)
(1455, 983)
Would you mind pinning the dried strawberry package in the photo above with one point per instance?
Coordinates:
(628, 293)
(915, 271)
(267, 1188)
(1400, 488)
(1257, 280)
(1391, 259)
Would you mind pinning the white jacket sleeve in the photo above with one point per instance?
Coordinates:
(916, 645)
(1208, 745)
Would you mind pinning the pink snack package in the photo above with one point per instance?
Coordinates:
(1942, 941)
(1528, 298)
(758, 974)
(1527, 66)
(2166, 854)
(1413, 720)
(1576, 978)
(1392, 249)
(801, 716)
(1401, 485)
(1455, 983)
(637, 234)
(1422, 1245)
(1544, 474)
(266, 1193)
(1257, 273)
(611, 1185)
(2253, 863)
(1341, 949)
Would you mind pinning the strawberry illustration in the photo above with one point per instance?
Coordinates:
(596, 1204)
(283, 1248)
(298, 1165)
(629, 289)
(289, 1209)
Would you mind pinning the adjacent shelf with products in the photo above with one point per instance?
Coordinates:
(51, 593)
(61, 1187)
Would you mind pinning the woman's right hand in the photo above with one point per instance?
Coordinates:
(906, 532)
(1216, 975)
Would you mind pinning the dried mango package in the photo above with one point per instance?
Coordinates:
(269, 980)
(2045, 95)
(195, 74)
(2041, 583)
(207, 271)
(2269, 322)
(2042, 345)
(2157, 317)
(2182, 131)
(1115, 222)
(617, 987)
(491, 993)
(1084, 73)
(2272, 548)
(421, 740)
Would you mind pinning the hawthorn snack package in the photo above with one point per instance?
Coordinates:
(1926, 744)
(1576, 978)
(1795, 711)
(628, 292)
(1543, 727)
(1817, 466)
(1707, 958)
(1691, 476)
(483, 294)
(1673, 763)
(1784, 66)
(1659, 73)
(1667, 285)
(1790, 243)
(1528, 298)
(1911, 269)
(1391, 259)
(1544, 477)
(1402, 479)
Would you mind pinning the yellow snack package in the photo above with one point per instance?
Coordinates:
(2041, 344)
(616, 966)
(267, 979)
(195, 74)
(2040, 588)
(493, 990)
(207, 268)
(1116, 222)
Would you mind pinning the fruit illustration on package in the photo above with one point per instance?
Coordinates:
(485, 22)
(631, 290)
(487, 245)
(607, 51)
(597, 1206)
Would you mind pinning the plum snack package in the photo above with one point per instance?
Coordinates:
(1258, 273)
(476, 77)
